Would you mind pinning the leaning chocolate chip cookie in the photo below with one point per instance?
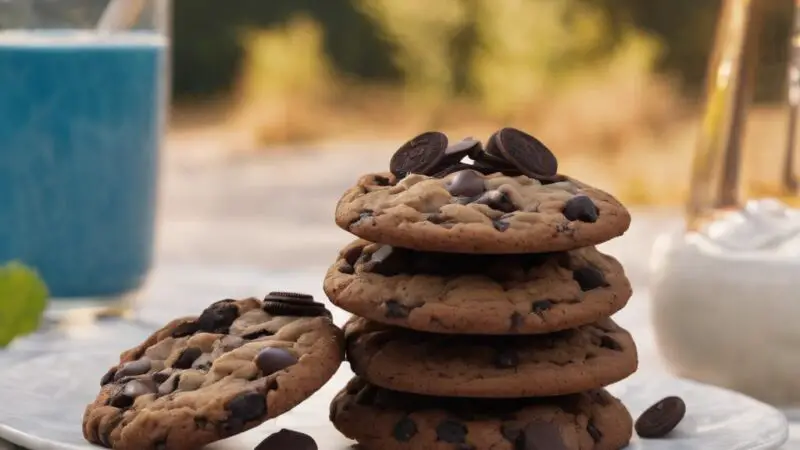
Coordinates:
(475, 293)
(380, 419)
(469, 212)
(566, 362)
(201, 379)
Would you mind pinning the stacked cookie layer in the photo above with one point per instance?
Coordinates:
(481, 308)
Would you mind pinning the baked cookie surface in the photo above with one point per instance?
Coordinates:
(477, 294)
(380, 419)
(507, 215)
(565, 362)
(201, 379)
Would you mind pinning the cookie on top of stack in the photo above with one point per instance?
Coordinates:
(481, 308)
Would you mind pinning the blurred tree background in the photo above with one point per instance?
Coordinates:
(449, 46)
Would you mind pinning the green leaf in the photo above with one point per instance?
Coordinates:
(23, 298)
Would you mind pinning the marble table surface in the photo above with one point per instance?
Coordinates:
(173, 291)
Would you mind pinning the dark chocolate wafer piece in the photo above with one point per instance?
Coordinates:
(421, 155)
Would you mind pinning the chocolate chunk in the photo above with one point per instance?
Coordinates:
(419, 155)
(133, 368)
(218, 317)
(580, 208)
(497, 200)
(541, 306)
(171, 383)
(160, 377)
(500, 225)
(593, 431)
(386, 261)
(467, 183)
(396, 310)
(510, 432)
(346, 269)
(287, 440)
(609, 343)
(589, 278)
(506, 359)
(436, 218)
(247, 406)
(451, 431)
(352, 254)
(187, 357)
(527, 153)
(108, 377)
(445, 170)
(404, 429)
(658, 420)
(253, 335)
(185, 329)
(272, 359)
(382, 181)
(131, 390)
(540, 436)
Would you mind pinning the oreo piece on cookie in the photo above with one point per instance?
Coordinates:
(294, 304)
(205, 378)
(525, 152)
(421, 155)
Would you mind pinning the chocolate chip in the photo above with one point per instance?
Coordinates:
(497, 200)
(445, 170)
(451, 431)
(589, 278)
(527, 153)
(404, 429)
(506, 359)
(381, 181)
(609, 343)
(187, 357)
(253, 335)
(108, 377)
(133, 368)
(129, 393)
(510, 432)
(247, 406)
(658, 420)
(346, 269)
(500, 225)
(272, 359)
(419, 155)
(352, 254)
(287, 440)
(218, 317)
(467, 183)
(185, 329)
(386, 261)
(200, 422)
(580, 208)
(436, 218)
(160, 377)
(540, 306)
(593, 431)
(170, 385)
(540, 436)
(396, 310)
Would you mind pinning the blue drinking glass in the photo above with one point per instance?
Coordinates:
(82, 116)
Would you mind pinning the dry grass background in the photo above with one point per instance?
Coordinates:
(615, 124)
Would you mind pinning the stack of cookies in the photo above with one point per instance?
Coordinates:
(481, 308)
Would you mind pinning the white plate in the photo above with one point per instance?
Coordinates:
(43, 398)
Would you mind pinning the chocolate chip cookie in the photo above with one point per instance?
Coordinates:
(381, 419)
(474, 293)
(565, 362)
(200, 379)
(469, 212)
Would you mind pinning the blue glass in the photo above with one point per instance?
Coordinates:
(80, 127)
